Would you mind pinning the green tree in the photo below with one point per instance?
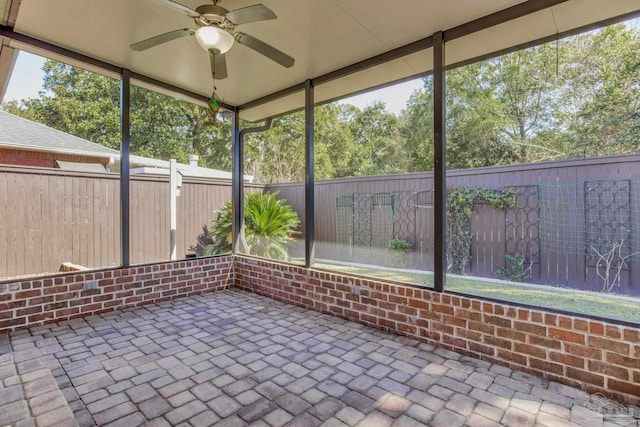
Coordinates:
(86, 104)
(416, 128)
(379, 149)
(602, 94)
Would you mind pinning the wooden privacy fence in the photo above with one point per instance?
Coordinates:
(555, 243)
(51, 216)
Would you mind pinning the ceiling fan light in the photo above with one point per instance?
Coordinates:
(214, 38)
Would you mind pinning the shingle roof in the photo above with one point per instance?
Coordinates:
(16, 132)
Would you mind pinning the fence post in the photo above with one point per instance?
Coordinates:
(175, 182)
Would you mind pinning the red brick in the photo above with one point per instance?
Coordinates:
(580, 325)
(632, 335)
(480, 348)
(585, 376)
(16, 321)
(629, 362)
(27, 294)
(531, 328)
(482, 327)
(469, 334)
(440, 308)
(498, 342)
(596, 328)
(536, 317)
(511, 334)
(544, 342)
(29, 310)
(565, 322)
(468, 314)
(624, 387)
(567, 336)
(546, 366)
(609, 345)
(613, 331)
(423, 305)
(530, 350)
(498, 321)
(487, 307)
(456, 342)
(609, 370)
(584, 351)
(512, 357)
(567, 359)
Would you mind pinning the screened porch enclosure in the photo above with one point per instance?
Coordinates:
(293, 339)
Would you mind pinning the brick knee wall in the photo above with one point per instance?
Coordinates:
(51, 299)
(593, 355)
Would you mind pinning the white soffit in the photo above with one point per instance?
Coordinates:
(396, 70)
(557, 19)
(322, 36)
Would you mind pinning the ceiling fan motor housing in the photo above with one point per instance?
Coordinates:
(210, 14)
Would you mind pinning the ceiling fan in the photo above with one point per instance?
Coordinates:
(216, 33)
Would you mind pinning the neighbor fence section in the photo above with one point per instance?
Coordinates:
(565, 208)
(50, 217)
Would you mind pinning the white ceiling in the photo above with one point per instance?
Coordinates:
(322, 35)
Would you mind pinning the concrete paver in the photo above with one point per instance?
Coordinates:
(232, 358)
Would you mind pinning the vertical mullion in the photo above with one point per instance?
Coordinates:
(309, 208)
(237, 190)
(125, 141)
(439, 167)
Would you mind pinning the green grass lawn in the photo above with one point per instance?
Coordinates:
(581, 302)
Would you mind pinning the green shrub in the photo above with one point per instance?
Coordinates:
(516, 269)
(398, 249)
(269, 226)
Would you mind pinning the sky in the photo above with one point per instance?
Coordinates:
(26, 82)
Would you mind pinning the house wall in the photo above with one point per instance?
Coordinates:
(591, 354)
(52, 299)
(43, 159)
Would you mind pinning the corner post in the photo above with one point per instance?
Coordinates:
(439, 167)
(237, 190)
(309, 208)
(125, 141)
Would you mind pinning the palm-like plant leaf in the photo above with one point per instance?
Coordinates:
(269, 225)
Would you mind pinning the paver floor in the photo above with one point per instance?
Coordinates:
(232, 358)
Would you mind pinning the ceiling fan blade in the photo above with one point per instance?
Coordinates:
(180, 8)
(162, 38)
(257, 12)
(265, 49)
(218, 65)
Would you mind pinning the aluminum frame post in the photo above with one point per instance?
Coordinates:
(237, 185)
(309, 198)
(440, 165)
(125, 148)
